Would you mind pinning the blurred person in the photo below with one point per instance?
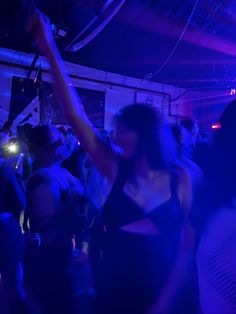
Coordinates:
(11, 256)
(193, 169)
(53, 196)
(216, 222)
(12, 202)
(191, 135)
(96, 184)
(195, 147)
(146, 240)
(96, 190)
(75, 161)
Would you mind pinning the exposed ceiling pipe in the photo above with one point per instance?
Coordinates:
(96, 25)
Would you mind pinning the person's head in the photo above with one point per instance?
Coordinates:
(47, 145)
(139, 132)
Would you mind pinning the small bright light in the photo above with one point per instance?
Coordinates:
(216, 126)
(12, 148)
(233, 91)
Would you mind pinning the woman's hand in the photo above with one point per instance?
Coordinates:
(104, 158)
(39, 26)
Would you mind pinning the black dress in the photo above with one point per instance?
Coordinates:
(132, 268)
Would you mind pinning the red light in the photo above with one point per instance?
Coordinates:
(216, 126)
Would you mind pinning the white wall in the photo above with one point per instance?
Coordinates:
(119, 90)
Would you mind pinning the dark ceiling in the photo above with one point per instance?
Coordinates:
(141, 37)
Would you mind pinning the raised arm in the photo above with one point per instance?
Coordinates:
(102, 155)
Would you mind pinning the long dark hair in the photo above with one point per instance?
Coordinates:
(155, 138)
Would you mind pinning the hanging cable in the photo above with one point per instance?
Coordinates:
(152, 75)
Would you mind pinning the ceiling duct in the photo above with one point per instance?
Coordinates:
(95, 25)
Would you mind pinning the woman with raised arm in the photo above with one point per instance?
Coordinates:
(144, 236)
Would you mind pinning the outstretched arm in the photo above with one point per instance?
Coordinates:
(102, 155)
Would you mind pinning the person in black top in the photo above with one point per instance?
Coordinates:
(144, 183)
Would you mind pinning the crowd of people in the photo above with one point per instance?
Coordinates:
(140, 221)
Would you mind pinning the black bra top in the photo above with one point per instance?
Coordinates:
(120, 209)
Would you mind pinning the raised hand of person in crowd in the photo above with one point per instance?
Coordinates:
(39, 26)
(103, 156)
